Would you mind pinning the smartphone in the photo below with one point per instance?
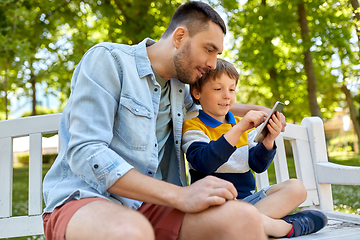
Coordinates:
(263, 131)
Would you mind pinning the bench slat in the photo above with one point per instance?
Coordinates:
(35, 178)
(25, 126)
(6, 177)
(280, 162)
(21, 226)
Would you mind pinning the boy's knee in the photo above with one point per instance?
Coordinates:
(298, 189)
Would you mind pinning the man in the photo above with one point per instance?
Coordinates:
(120, 172)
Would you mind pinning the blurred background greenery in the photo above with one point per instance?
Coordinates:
(304, 53)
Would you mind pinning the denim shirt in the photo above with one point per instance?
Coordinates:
(108, 126)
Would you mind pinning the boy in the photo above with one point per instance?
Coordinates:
(219, 144)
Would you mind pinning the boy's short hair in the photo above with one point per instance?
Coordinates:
(222, 67)
(195, 16)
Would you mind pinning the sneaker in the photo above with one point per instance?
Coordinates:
(306, 221)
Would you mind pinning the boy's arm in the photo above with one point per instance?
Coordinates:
(206, 156)
(260, 158)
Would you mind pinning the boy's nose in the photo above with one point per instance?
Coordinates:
(226, 94)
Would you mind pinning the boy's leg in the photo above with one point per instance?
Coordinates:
(282, 199)
(233, 220)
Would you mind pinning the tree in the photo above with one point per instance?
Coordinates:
(278, 55)
(55, 35)
(308, 60)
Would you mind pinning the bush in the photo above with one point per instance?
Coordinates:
(47, 158)
(40, 110)
(23, 158)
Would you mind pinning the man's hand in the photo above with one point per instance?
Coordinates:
(202, 194)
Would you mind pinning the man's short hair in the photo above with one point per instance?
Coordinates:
(195, 16)
(222, 67)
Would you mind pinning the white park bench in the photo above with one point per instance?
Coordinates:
(310, 157)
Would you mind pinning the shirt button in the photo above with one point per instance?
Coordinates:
(136, 110)
(179, 114)
(155, 89)
(180, 91)
(176, 141)
(155, 144)
(150, 173)
(96, 166)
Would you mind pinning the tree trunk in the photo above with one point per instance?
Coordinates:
(349, 99)
(33, 88)
(308, 62)
(5, 85)
(355, 5)
(350, 103)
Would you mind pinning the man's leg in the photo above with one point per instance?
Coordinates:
(107, 220)
(233, 220)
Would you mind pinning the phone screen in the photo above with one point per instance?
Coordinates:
(263, 131)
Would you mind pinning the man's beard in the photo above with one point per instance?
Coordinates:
(184, 66)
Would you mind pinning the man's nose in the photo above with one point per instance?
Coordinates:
(211, 62)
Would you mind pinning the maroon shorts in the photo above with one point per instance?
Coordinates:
(166, 221)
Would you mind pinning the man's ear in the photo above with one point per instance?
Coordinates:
(179, 36)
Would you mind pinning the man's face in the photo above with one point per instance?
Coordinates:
(198, 54)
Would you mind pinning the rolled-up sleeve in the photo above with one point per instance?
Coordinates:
(96, 93)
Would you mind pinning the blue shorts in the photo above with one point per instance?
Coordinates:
(254, 198)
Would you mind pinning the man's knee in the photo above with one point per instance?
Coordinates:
(132, 229)
(240, 215)
(106, 220)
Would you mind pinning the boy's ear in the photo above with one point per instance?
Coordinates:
(179, 36)
(195, 93)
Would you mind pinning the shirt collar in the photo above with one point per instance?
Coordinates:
(212, 122)
(142, 61)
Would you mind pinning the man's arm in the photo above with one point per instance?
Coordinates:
(240, 110)
(194, 198)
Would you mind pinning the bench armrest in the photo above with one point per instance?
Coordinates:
(331, 173)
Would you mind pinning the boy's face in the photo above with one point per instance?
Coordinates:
(217, 96)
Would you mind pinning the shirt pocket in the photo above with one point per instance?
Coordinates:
(134, 122)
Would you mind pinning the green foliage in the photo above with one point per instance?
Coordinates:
(268, 49)
(42, 41)
(47, 158)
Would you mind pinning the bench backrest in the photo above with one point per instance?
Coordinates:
(309, 148)
(307, 140)
(34, 127)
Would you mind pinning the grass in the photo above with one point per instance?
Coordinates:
(346, 198)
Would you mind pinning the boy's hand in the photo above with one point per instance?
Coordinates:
(275, 127)
(252, 119)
